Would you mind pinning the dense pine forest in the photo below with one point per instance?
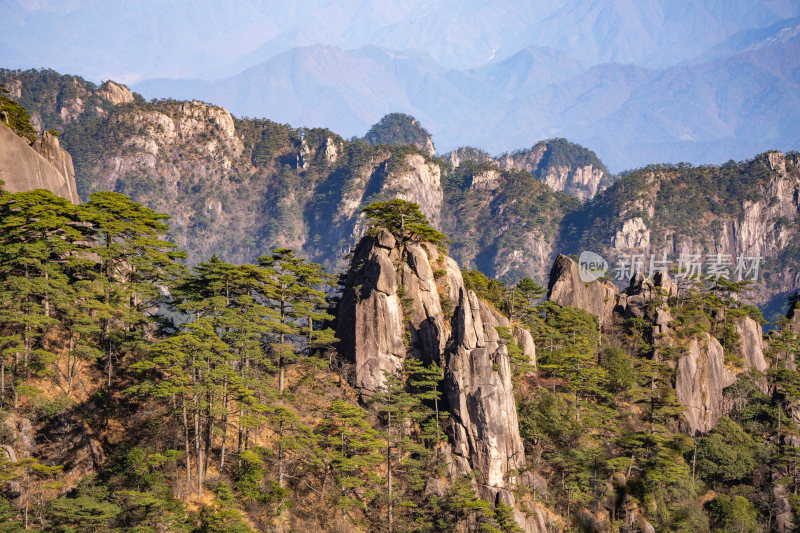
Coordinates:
(223, 405)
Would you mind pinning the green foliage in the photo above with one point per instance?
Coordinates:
(727, 454)
(404, 220)
(42, 239)
(562, 153)
(398, 129)
(8, 518)
(568, 338)
(82, 513)
(223, 517)
(198, 366)
(461, 503)
(484, 287)
(547, 416)
(733, 514)
(16, 116)
(619, 368)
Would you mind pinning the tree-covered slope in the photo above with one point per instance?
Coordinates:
(399, 129)
(745, 209)
(503, 222)
(238, 186)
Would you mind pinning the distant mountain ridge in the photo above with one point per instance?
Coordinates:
(753, 39)
(727, 108)
(458, 34)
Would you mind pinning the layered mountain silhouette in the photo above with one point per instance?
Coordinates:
(715, 110)
(638, 82)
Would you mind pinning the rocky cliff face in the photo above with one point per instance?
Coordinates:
(56, 101)
(45, 165)
(563, 166)
(701, 374)
(566, 288)
(699, 381)
(420, 182)
(741, 211)
(751, 343)
(392, 289)
(468, 153)
(524, 340)
(115, 93)
(370, 320)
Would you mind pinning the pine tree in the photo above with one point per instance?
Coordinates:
(348, 452)
(134, 263)
(404, 220)
(423, 383)
(300, 303)
(232, 299)
(520, 300)
(184, 367)
(41, 241)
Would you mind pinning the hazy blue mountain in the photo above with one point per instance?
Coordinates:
(129, 41)
(322, 85)
(655, 33)
(753, 39)
(710, 112)
(706, 112)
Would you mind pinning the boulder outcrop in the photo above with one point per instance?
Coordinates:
(751, 347)
(45, 165)
(524, 340)
(370, 320)
(115, 93)
(566, 288)
(699, 381)
(649, 298)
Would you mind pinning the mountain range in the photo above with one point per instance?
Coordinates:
(622, 78)
(659, 407)
(716, 110)
(237, 187)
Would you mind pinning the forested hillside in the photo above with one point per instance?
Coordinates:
(739, 210)
(235, 187)
(139, 391)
